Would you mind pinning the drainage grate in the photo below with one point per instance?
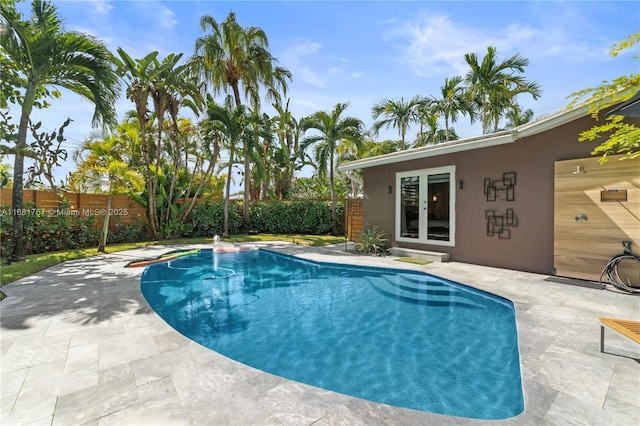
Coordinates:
(574, 281)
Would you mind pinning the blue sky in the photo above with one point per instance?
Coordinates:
(363, 51)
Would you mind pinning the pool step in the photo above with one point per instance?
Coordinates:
(433, 256)
(429, 291)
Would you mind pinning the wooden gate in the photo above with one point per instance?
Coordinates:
(354, 217)
(596, 207)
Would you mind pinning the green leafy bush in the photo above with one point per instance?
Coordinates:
(278, 217)
(371, 241)
(207, 219)
(294, 217)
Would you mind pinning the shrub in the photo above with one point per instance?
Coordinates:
(207, 219)
(277, 217)
(44, 233)
(371, 241)
(294, 217)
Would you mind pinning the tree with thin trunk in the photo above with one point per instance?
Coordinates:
(453, 101)
(287, 156)
(169, 86)
(332, 130)
(494, 85)
(139, 75)
(230, 57)
(100, 160)
(48, 56)
(398, 114)
(516, 116)
(229, 124)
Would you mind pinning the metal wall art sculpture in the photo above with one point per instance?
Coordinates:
(504, 190)
(499, 225)
(506, 185)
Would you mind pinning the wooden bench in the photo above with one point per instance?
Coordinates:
(627, 328)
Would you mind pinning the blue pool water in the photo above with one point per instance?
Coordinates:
(403, 338)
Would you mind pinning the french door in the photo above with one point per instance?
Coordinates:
(425, 206)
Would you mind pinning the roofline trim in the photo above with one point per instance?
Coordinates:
(529, 129)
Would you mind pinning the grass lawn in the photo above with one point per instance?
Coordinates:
(38, 262)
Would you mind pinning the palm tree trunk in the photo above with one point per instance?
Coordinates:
(156, 173)
(334, 219)
(151, 199)
(446, 128)
(247, 188)
(227, 192)
(105, 225)
(17, 196)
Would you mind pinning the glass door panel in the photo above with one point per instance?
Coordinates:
(410, 207)
(438, 210)
(425, 206)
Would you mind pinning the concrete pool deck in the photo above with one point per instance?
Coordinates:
(80, 345)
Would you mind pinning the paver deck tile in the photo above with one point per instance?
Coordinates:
(80, 345)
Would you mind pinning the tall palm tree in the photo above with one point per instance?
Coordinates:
(398, 114)
(257, 149)
(491, 83)
(453, 101)
(229, 124)
(332, 129)
(174, 89)
(139, 75)
(287, 156)
(516, 116)
(234, 58)
(47, 56)
(105, 165)
(170, 88)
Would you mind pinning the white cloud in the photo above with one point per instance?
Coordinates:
(435, 44)
(166, 18)
(308, 63)
(101, 7)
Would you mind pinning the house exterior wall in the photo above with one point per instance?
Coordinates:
(530, 246)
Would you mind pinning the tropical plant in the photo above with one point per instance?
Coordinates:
(287, 157)
(234, 58)
(47, 152)
(46, 55)
(371, 241)
(453, 101)
(315, 188)
(170, 88)
(494, 86)
(332, 129)
(100, 159)
(621, 136)
(398, 114)
(257, 149)
(516, 116)
(229, 124)
(430, 131)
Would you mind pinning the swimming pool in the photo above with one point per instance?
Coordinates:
(398, 337)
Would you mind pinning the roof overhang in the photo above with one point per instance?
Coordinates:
(629, 108)
(509, 136)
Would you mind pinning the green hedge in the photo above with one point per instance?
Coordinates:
(207, 219)
(278, 217)
(44, 234)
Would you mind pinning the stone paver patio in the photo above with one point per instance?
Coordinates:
(80, 345)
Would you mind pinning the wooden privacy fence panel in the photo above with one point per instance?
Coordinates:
(354, 217)
(596, 207)
(123, 210)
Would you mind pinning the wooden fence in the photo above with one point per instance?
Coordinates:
(124, 210)
(353, 217)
